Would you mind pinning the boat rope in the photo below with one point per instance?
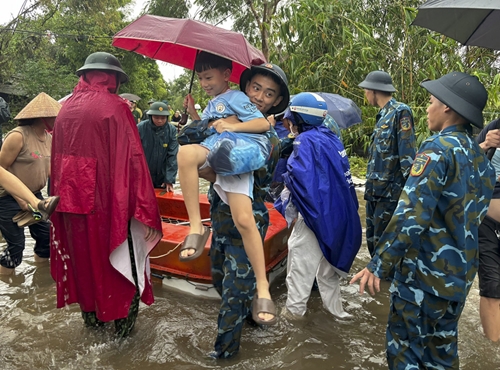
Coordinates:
(166, 254)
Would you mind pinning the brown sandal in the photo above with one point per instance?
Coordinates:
(20, 215)
(263, 305)
(48, 205)
(196, 242)
(27, 219)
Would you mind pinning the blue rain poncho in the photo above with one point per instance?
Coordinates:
(319, 180)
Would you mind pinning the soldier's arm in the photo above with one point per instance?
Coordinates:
(413, 215)
(406, 140)
(172, 149)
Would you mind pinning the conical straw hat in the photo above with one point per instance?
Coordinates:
(41, 106)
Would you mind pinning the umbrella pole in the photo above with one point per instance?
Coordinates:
(184, 116)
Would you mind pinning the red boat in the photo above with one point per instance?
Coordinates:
(195, 276)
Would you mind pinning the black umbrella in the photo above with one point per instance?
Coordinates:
(343, 110)
(471, 22)
(131, 97)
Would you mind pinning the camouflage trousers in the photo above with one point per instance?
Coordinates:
(378, 215)
(234, 279)
(425, 336)
(124, 326)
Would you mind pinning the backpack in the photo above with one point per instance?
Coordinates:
(4, 111)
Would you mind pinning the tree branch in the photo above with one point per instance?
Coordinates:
(254, 12)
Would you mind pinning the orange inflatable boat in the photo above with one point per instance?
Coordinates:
(195, 276)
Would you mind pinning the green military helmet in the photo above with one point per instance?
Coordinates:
(461, 92)
(379, 81)
(158, 109)
(103, 61)
(269, 69)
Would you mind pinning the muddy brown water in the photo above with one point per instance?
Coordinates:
(178, 330)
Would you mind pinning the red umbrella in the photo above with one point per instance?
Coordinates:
(178, 41)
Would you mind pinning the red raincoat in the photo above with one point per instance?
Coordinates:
(99, 171)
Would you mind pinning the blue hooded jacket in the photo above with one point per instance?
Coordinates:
(319, 179)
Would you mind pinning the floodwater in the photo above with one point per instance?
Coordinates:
(177, 331)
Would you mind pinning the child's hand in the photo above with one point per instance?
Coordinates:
(189, 106)
(221, 126)
(226, 124)
(188, 102)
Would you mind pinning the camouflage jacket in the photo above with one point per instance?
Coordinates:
(333, 126)
(223, 228)
(431, 242)
(392, 150)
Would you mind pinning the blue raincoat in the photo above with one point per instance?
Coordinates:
(319, 179)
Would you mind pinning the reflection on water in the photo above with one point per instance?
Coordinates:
(177, 331)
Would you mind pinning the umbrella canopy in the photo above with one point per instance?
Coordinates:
(131, 97)
(471, 22)
(178, 41)
(343, 110)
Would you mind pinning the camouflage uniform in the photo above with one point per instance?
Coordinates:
(392, 150)
(430, 249)
(333, 126)
(232, 274)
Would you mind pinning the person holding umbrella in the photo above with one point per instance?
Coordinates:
(392, 150)
(430, 247)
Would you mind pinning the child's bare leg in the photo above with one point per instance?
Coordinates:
(189, 159)
(241, 211)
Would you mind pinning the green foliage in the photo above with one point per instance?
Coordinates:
(168, 8)
(322, 45)
(331, 46)
(54, 37)
(358, 166)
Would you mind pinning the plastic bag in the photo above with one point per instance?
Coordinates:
(285, 206)
(195, 132)
(235, 153)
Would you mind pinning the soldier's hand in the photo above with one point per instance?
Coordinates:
(208, 174)
(492, 139)
(169, 187)
(272, 120)
(367, 279)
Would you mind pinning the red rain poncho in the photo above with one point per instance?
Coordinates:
(99, 171)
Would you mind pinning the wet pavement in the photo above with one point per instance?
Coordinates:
(178, 330)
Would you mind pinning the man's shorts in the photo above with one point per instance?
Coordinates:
(489, 258)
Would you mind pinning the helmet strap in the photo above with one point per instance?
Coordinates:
(299, 122)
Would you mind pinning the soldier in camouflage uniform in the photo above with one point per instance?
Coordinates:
(392, 150)
(232, 274)
(430, 247)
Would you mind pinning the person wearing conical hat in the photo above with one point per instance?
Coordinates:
(26, 154)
